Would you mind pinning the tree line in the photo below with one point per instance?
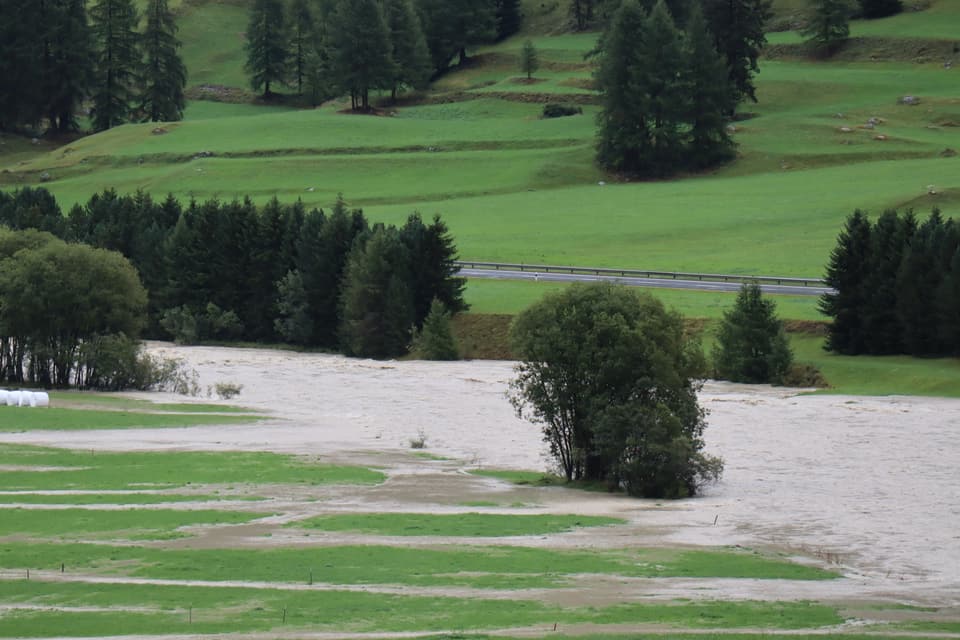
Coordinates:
(325, 48)
(217, 271)
(897, 286)
(55, 58)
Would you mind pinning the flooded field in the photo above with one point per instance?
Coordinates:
(867, 485)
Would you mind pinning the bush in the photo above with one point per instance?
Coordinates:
(805, 376)
(556, 110)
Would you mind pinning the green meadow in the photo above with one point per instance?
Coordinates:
(454, 524)
(27, 468)
(27, 419)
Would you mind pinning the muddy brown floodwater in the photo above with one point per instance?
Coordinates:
(866, 484)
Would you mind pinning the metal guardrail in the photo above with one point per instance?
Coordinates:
(640, 273)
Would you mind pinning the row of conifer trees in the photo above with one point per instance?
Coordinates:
(236, 271)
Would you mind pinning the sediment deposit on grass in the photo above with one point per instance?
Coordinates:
(867, 484)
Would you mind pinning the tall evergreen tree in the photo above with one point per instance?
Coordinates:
(376, 302)
(361, 50)
(302, 40)
(889, 239)
(738, 31)
(529, 61)
(752, 344)
(322, 250)
(68, 70)
(827, 24)
(22, 29)
(509, 18)
(164, 74)
(846, 272)
(433, 272)
(451, 26)
(708, 141)
(267, 45)
(582, 13)
(918, 280)
(408, 45)
(948, 306)
(117, 61)
(642, 76)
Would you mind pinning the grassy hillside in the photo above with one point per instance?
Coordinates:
(518, 188)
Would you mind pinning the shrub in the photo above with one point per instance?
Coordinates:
(556, 110)
(435, 341)
(751, 343)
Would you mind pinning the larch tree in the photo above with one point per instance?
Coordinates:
(709, 143)
(409, 50)
(164, 74)
(509, 17)
(267, 48)
(117, 61)
(738, 28)
(452, 26)
(361, 50)
(302, 40)
(68, 68)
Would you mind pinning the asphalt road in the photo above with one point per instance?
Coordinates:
(660, 283)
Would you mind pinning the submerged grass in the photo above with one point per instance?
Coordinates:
(27, 419)
(66, 469)
(459, 524)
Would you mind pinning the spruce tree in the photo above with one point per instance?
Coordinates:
(529, 61)
(435, 340)
(408, 46)
(879, 8)
(22, 30)
(267, 45)
(751, 342)
(846, 273)
(164, 74)
(451, 26)
(361, 50)
(948, 307)
(889, 239)
(827, 24)
(117, 61)
(918, 281)
(376, 302)
(738, 28)
(708, 143)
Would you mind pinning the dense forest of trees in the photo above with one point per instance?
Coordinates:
(327, 48)
(897, 286)
(56, 57)
(235, 271)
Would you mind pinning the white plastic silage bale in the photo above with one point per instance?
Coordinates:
(31, 400)
(42, 399)
(13, 400)
(3, 397)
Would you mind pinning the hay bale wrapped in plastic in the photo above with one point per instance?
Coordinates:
(13, 400)
(3, 397)
(41, 399)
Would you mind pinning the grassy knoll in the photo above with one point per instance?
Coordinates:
(65, 469)
(28, 419)
(132, 524)
(135, 498)
(480, 567)
(880, 375)
(459, 524)
(148, 610)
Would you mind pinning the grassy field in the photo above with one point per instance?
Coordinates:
(459, 524)
(26, 468)
(27, 419)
